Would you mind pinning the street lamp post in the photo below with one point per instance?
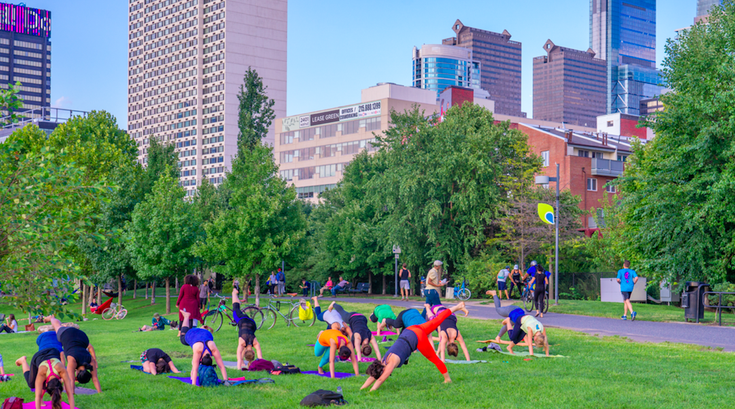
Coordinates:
(397, 252)
(544, 180)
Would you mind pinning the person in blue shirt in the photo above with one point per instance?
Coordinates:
(627, 279)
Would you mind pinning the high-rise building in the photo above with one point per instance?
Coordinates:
(623, 32)
(704, 7)
(436, 67)
(25, 53)
(186, 63)
(569, 86)
(500, 60)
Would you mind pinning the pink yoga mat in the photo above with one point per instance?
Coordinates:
(45, 405)
(384, 333)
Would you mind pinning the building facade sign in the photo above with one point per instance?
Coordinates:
(365, 110)
(25, 20)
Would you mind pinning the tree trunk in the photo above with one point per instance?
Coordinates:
(99, 295)
(168, 296)
(370, 281)
(153, 293)
(119, 290)
(146, 290)
(135, 289)
(177, 285)
(90, 294)
(84, 299)
(384, 284)
(257, 289)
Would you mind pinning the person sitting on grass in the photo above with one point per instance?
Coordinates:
(449, 335)
(362, 339)
(413, 338)
(158, 323)
(202, 344)
(81, 360)
(93, 306)
(327, 286)
(246, 333)
(11, 325)
(380, 314)
(156, 361)
(47, 374)
(336, 343)
(305, 287)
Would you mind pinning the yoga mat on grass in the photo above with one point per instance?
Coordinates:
(337, 375)
(139, 368)
(363, 359)
(383, 333)
(525, 354)
(80, 391)
(45, 405)
(456, 361)
(234, 381)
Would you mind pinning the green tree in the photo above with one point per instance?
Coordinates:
(162, 232)
(255, 111)
(40, 220)
(10, 101)
(677, 191)
(261, 224)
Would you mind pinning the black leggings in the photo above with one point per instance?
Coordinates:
(538, 296)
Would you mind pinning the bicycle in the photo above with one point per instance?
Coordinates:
(218, 314)
(529, 301)
(463, 293)
(273, 309)
(116, 310)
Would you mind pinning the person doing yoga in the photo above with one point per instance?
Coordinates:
(522, 329)
(202, 343)
(46, 372)
(47, 340)
(335, 343)
(362, 338)
(449, 335)
(246, 328)
(381, 313)
(81, 360)
(413, 338)
(156, 361)
(332, 318)
(405, 319)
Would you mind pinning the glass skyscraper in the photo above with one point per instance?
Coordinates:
(436, 67)
(624, 34)
(704, 7)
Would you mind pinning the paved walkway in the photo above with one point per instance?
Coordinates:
(645, 331)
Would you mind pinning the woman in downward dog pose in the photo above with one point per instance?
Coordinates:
(46, 373)
(246, 327)
(81, 360)
(202, 344)
(362, 338)
(331, 343)
(449, 335)
(413, 338)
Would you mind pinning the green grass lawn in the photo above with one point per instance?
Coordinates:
(598, 372)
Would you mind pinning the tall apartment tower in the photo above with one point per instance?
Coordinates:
(569, 86)
(25, 53)
(438, 66)
(500, 60)
(704, 7)
(186, 63)
(623, 32)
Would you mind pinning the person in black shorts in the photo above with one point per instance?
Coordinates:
(405, 283)
(449, 334)
(46, 372)
(81, 360)
(156, 361)
(362, 338)
(246, 328)
(539, 283)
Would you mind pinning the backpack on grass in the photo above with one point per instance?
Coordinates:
(208, 376)
(323, 398)
(12, 403)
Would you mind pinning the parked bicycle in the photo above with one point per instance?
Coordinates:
(116, 311)
(273, 309)
(463, 293)
(214, 318)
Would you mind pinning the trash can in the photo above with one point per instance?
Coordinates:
(692, 300)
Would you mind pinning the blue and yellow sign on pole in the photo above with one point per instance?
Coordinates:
(546, 213)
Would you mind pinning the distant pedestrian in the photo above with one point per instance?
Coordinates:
(272, 283)
(189, 299)
(627, 279)
(516, 280)
(405, 282)
(204, 292)
(281, 282)
(502, 286)
(434, 284)
(539, 282)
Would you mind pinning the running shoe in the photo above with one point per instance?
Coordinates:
(625, 318)
(632, 315)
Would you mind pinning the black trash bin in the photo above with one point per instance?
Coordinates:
(692, 300)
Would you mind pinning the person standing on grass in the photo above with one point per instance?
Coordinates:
(405, 282)
(281, 282)
(189, 299)
(204, 292)
(272, 283)
(502, 276)
(434, 284)
(627, 279)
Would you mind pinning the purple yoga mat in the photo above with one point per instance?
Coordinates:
(235, 381)
(44, 405)
(338, 375)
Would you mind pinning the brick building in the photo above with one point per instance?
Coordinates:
(588, 161)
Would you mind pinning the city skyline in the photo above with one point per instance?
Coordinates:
(316, 78)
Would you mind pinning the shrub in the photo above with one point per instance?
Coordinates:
(726, 299)
(481, 273)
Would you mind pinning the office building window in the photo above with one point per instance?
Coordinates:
(622, 158)
(545, 157)
(592, 184)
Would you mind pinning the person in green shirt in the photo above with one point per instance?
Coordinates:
(380, 314)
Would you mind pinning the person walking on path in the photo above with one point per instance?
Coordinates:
(539, 282)
(627, 279)
(405, 283)
(434, 284)
(272, 283)
(502, 276)
(189, 299)
(281, 277)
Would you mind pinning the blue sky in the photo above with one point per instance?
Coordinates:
(335, 49)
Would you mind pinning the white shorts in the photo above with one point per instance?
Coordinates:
(405, 285)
